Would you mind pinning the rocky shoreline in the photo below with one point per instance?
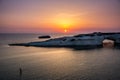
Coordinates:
(81, 41)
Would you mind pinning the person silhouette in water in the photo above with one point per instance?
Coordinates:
(20, 71)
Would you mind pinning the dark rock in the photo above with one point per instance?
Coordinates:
(19, 44)
(46, 36)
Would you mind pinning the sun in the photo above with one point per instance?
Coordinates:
(64, 22)
(65, 30)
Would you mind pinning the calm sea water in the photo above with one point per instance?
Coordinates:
(55, 63)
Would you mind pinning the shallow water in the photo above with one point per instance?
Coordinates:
(55, 63)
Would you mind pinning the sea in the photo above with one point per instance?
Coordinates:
(42, 63)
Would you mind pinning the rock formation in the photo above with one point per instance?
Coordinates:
(92, 40)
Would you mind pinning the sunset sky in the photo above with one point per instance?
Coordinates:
(52, 16)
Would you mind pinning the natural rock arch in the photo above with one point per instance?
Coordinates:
(108, 43)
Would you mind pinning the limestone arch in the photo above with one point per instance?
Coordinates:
(108, 43)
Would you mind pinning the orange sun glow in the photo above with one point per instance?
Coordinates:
(64, 21)
(65, 30)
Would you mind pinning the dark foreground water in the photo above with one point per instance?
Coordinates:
(55, 63)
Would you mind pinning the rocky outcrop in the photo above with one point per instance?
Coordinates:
(92, 40)
(45, 36)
